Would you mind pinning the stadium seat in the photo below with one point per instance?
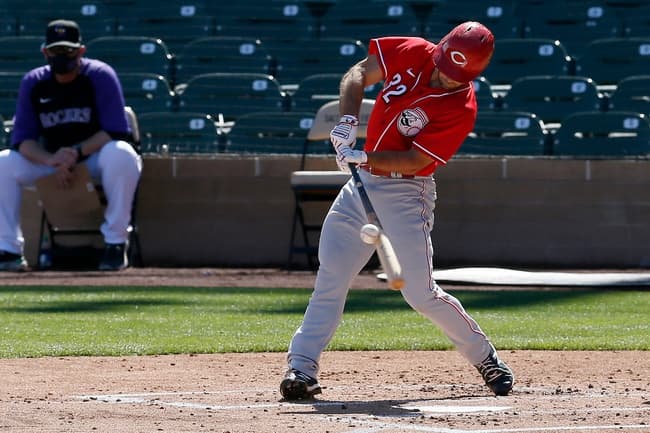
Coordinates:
(366, 20)
(95, 19)
(498, 15)
(133, 54)
(485, 98)
(147, 92)
(227, 96)
(637, 24)
(515, 58)
(9, 85)
(506, 133)
(279, 19)
(608, 61)
(552, 97)
(297, 59)
(269, 132)
(176, 22)
(21, 53)
(631, 94)
(600, 134)
(222, 54)
(315, 90)
(167, 132)
(575, 24)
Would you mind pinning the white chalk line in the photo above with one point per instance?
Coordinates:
(443, 406)
(378, 427)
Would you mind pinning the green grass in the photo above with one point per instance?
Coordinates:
(42, 321)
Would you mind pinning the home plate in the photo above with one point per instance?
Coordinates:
(455, 409)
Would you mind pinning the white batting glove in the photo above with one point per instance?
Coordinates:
(347, 155)
(345, 132)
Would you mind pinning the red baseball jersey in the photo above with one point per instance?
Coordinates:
(408, 112)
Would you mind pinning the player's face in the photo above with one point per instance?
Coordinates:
(65, 51)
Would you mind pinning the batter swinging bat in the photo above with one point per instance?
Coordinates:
(385, 251)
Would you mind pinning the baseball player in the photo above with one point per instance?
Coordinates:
(68, 112)
(420, 118)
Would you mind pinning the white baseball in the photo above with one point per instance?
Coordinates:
(369, 233)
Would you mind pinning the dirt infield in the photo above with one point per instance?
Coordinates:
(364, 392)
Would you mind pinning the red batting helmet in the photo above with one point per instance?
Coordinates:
(465, 52)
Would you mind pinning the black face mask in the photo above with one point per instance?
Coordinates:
(62, 64)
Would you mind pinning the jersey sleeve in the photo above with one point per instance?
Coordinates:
(392, 52)
(109, 101)
(26, 125)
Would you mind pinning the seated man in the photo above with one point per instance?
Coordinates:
(68, 112)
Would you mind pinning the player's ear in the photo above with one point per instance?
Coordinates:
(82, 50)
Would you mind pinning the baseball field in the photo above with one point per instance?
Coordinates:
(202, 350)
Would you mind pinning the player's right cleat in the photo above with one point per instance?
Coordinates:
(296, 385)
(496, 374)
(12, 262)
(114, 258)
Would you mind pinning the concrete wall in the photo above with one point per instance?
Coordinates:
(237, 211)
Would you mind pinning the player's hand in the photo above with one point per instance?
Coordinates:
(347, 155)
(65, 157)
(345, 132)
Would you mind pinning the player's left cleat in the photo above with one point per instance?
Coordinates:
(296, 385)
(12, 262)
(114, 258)
(496, 374)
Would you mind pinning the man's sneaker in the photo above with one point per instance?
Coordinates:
(496, 374)
(12, 262)
(298, 386)
(114, 258)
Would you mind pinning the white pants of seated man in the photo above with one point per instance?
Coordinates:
(116, 167)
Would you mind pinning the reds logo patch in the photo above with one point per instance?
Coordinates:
(412, 121)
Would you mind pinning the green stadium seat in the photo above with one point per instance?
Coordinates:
(608, 61)
(631, 94)
(147, 92)
(167, 132)
(21, 53)
(227, 96)
(299, 58)
(515, 58)
(95, 19)
(269, 132)
(222, 54)
(133, 54)
(498, 15)
(9, 85)
(506, 133)
(315, 90)
(552, 97)
(176, 22)
(485, 98)
(598, 134)
(366, 20)
(279, 19)
(575, 25)
(637, 24)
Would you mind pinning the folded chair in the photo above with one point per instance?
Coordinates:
(318, 187)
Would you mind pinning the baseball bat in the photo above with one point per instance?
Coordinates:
(385, 251)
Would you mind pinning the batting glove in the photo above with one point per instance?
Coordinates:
(347, 155)
(345, 132)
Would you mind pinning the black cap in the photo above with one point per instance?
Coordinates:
(62, 33)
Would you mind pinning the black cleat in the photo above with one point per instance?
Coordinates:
(12, 262)
(496, 374)
(298, 386)
(114, 258)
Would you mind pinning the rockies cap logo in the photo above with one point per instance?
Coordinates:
(458, 58)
